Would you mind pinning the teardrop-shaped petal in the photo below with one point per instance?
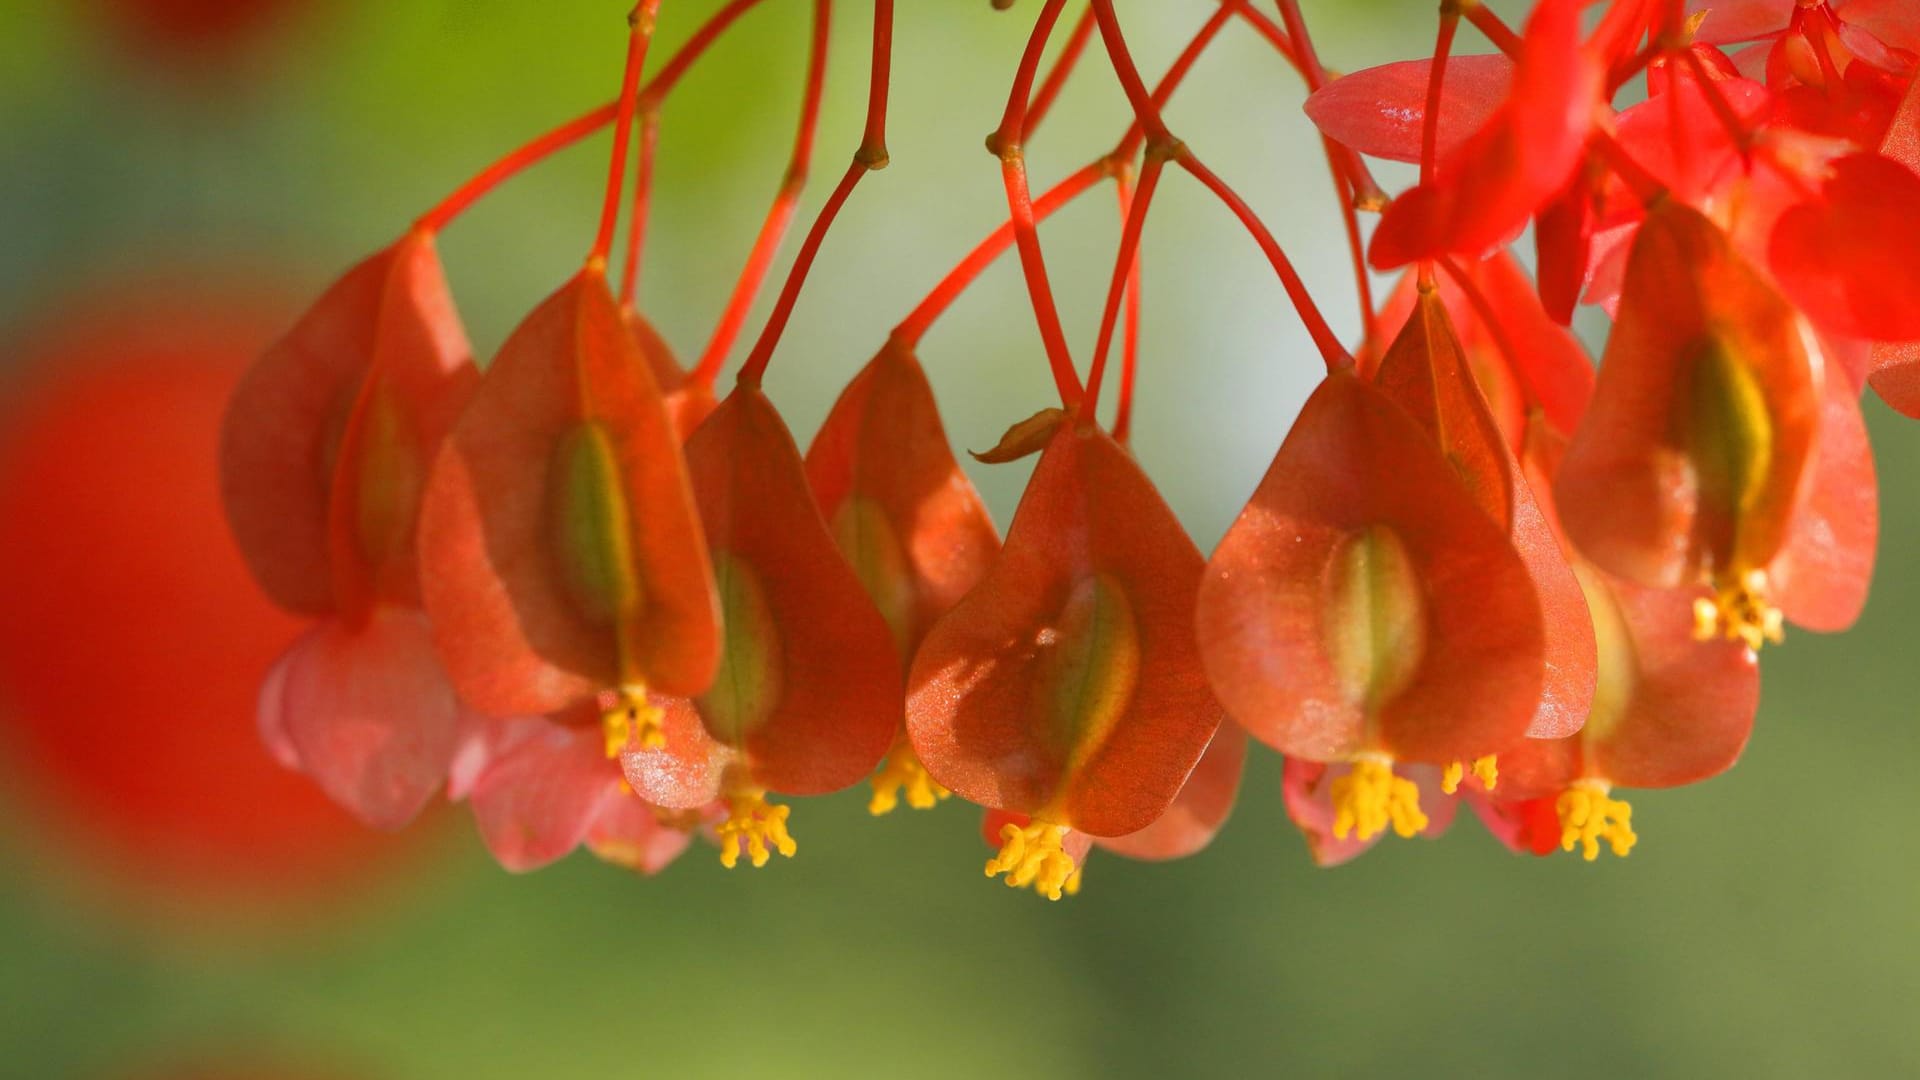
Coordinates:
(1680, 139)
(535, 803)
(1821, 578)
(1671, 710)
(370, 715)
(810, 686)
(1202, 807)
(1690, 462)
(1067, 685)
(1847, 257)
(328, 438)
(689, 770)
(1363, 602)
(904, 514)
(1483, 193)
(1896, 376)
(1426, 374)
(566, 552)
(1382, 111)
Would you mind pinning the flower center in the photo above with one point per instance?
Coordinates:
(1740, 611)
(1485, 769)
(902, 772)
(1588, 816)
(1370, 798)
(756, 827)
(632, 718)
(1032, 854)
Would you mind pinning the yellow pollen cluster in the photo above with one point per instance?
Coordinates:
(752, 824)
(1740, 611)
(1588, 816)
(1032, 855)
(902, 771)
(1371, 797)
(1486, 768)
(632, 716)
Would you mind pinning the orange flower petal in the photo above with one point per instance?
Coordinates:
(560, 526)
(1362, 601)
(1821, 578)
(1198, 812)
(1067, 685)
(328, 439)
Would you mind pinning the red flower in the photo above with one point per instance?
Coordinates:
(1067, 686)
(324, 453)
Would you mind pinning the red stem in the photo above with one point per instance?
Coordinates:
(1356, 244)
(786, 202)
(871, 155)
(1011, 134)
(642, 206)
(1130, 334)
(696, 46)
(1063, 66)
(1495, 29)
(1124, 265)
(1128, 73)
(915, 325)
(1436, 84)
(640, 34)
(511, 165)
(1176, 74)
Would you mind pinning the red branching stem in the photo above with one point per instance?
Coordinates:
(638, 214)
(1310, 66)
(1270, 30)
(1176, 74)
(1125, 263)
(1129, 333)
(916, 324)
(1011, 134)
(1490, 24)
(871, 155)
(1436, 86)
(681, 62)
(1350, 218)
(640, 33)
(1063, 66)
(1324, 339)
(786, 202)
(1006, 143)
(1128, 73)
(513, 164)
(914, 327)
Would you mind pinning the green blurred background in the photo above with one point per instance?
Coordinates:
(1766, 925)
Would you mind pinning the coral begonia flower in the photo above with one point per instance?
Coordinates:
(549, 788)
(1364, 609)
(1895, 368)
(1067, 686)
(566, 552)
(1846, 256)
(324, 452)
(1670, 710)
(906, 517)
(809, 692)
(1425, 373)
(1482, 193)
(1696, 454)
(1188, 826)
(1308, 786)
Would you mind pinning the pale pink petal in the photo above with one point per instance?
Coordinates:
(535, 803)
(370, 714)
(271, 714)
(479, 741)
(627, 832)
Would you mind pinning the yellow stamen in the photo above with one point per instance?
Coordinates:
(1588, 816)
(752, 824)
(633, 717)
(1485, 769)
(902, 771)
(1370, 798)
(1740, 611)
(1032, 855)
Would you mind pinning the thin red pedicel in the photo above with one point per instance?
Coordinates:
(871, 155)
(780, 215)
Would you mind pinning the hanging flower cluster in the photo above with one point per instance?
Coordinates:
(607, 607)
